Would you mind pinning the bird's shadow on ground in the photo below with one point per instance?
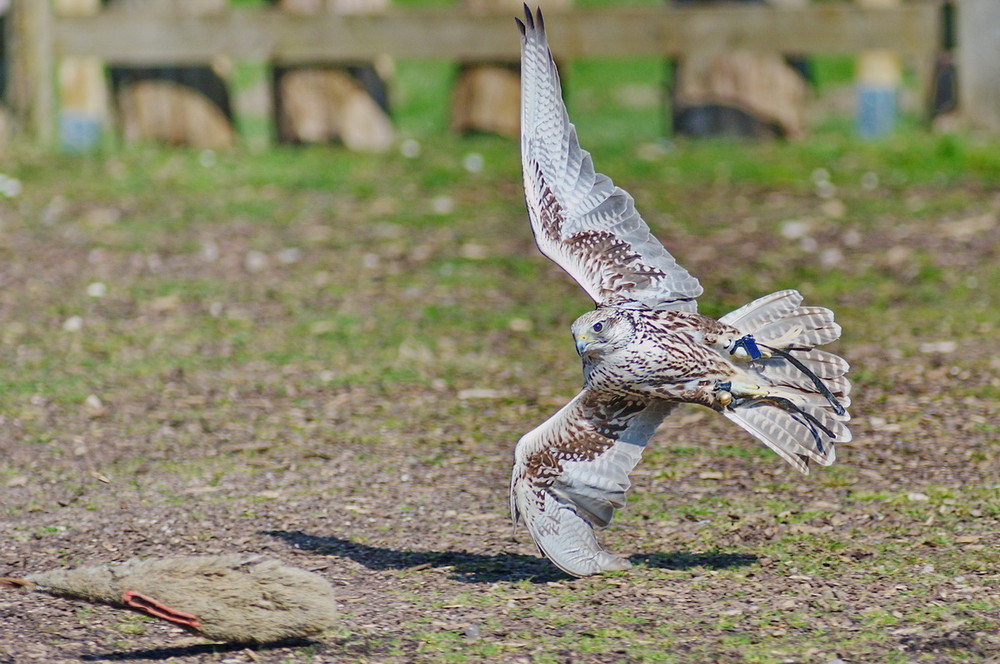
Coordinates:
(481, 568)
(681, 560)
(158, 654)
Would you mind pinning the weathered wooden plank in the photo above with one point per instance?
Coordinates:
(878, 76)
(979, 63)
(256, 34)
(33, 68)
(83, 89)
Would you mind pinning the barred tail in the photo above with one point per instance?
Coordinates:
(801, 410)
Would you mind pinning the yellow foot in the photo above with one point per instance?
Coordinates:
(747, 390)
(726, 392)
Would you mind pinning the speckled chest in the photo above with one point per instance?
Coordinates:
(667, 349)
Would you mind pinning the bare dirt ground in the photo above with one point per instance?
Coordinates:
(238, 438)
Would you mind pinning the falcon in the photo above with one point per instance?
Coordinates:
(645, 348)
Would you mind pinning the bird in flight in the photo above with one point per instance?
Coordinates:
(645, 348)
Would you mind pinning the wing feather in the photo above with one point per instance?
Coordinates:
(571, 474)
(580, 219)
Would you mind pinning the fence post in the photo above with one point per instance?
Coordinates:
(83, 89)
(978, 67)
(878, 78)
(32, 89)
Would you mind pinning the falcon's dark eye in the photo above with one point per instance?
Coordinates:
(598, 327)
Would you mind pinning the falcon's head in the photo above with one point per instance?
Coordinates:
(600, 332)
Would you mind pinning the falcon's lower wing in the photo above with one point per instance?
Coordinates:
(571, 473)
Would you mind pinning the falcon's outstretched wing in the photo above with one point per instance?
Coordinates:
(571, 473)
(580, 219)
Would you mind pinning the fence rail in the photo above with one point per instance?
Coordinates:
(148, 35)
(132, 37)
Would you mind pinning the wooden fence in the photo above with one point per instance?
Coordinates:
(152, 36)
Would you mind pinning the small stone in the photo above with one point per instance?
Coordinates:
(166, 303)
(255, 261)
(210, 251)
(9, 187)
(73, 324)
(473, 162)
(323, 327)
(943, 347)
(410, 148)
(442, 205)
(796, 229)
(831, 257)
(289, 255)
(479, 393)
(520, 325)
(93, 406)
(473, 251)
(834, 208)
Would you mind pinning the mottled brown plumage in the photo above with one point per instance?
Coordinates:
(645, 348)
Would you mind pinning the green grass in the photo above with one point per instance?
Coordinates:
(256, 387)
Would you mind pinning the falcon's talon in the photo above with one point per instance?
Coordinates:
(723, 398)
(747, 390)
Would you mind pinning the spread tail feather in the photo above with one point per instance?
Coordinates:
(796, 432)
(802, 411)
(779, 320)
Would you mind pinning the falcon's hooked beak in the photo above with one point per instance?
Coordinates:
(583, 342)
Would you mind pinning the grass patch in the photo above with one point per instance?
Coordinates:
(344, 348)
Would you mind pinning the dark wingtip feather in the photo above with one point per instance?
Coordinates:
(821, 387)
(531, 21)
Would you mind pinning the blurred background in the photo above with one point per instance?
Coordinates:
(214, 73)
(267, 285)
